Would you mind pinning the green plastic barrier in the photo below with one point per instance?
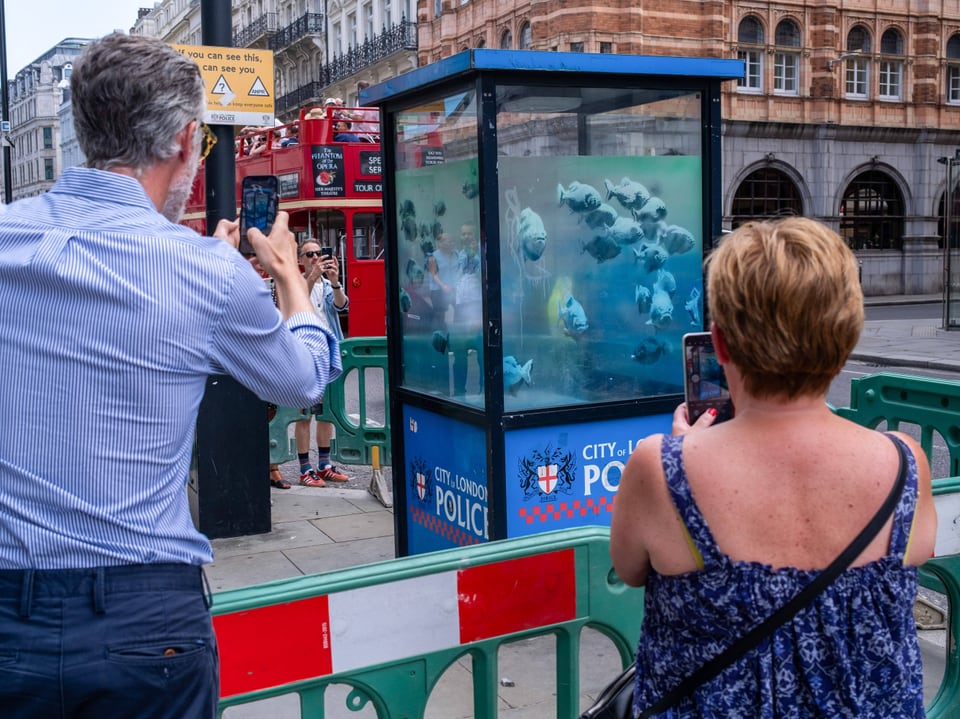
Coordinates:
(933, 406)
(292, 636)
(364, 360)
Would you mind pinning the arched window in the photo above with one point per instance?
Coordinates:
(526, 36)
(750, 32)
(506, 40)
(891, 65)
(871, 213)
(765, 194)
(482, 42)
(786, 63)
(953, 70)
(857, 75)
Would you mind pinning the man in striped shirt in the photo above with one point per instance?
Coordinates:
(112, 318)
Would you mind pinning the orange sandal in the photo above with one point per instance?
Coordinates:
(276, 479)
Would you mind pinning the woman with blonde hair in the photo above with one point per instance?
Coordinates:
(725, 524)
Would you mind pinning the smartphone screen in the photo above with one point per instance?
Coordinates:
(705, 384)
(258, 207)
(326, 252)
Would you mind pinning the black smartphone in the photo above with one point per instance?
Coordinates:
(258, 207)
(326, 252)
(704, 383)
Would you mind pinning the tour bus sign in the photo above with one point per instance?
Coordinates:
(239, 83)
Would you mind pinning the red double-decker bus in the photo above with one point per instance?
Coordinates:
(332, 189)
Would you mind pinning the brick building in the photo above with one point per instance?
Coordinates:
(844, 114)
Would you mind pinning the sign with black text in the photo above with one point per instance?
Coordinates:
(328, 178)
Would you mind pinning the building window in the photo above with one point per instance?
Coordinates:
(437, 8)
(765, 194)
(786, 63)
(750, 32)
(526, 36)
(48, 168)
(606, 48)
(857, 68)
(482, 42)
(871, 213)
(506, 40)
(953, 70)
(47, 138)
(576, 47)
(891, 66)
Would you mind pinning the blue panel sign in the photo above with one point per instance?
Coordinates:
(568, 475)
(445, 481)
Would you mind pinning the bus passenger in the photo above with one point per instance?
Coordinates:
(341, 132)
(724, 524)
(114, 316)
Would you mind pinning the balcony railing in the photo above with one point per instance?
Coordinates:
(265, 25)
(402, 36)
(309, 24)
(304, 95)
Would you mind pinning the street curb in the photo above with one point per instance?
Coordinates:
(888, 361)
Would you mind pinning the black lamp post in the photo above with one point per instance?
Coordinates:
(7, 172)
(948, 235)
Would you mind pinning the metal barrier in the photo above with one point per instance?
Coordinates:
(390, 630)
(354, 440)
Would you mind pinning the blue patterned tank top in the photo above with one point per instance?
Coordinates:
(852, 653)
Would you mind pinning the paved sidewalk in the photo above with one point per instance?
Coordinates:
(320, 529)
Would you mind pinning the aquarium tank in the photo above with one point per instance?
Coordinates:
(598, 217)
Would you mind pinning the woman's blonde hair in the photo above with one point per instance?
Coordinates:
(787, 297)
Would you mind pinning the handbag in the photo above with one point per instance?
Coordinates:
(616, 700)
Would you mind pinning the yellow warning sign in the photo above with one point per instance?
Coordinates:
(239, 83)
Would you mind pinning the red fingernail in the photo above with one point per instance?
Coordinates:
(712, 412)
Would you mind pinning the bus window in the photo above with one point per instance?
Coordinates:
(329, 226)
(368, 236)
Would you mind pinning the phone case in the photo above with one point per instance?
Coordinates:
(258, 207)
(705, 384)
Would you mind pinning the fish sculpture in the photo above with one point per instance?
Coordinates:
(405, 301)
(516, 374)
(643, 297)
(625, 231)
(692, 306)
(653, 209)
(651, 350)
(603, 216)
(601, 248)
(440, 208)
(532, 234)
(676, 240)
(661, 309)
(651, 256)
(427, 247)
(470, 190)
(436, 229)
(414, 272)
(665, 282)
(579, 197)
(407, 209)
(572, 317)
(409, 227)
(440, 340)
(632, 195)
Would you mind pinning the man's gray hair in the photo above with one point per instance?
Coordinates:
(131, 95)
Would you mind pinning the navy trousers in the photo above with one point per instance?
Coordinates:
(120, 642)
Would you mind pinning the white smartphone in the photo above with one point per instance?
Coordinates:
(704, 383)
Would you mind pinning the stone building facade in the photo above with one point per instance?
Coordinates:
(846, 113)
(35, 95)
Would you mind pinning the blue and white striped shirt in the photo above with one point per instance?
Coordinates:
(111, 319)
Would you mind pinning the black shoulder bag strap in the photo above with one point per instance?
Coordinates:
(806, 595)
